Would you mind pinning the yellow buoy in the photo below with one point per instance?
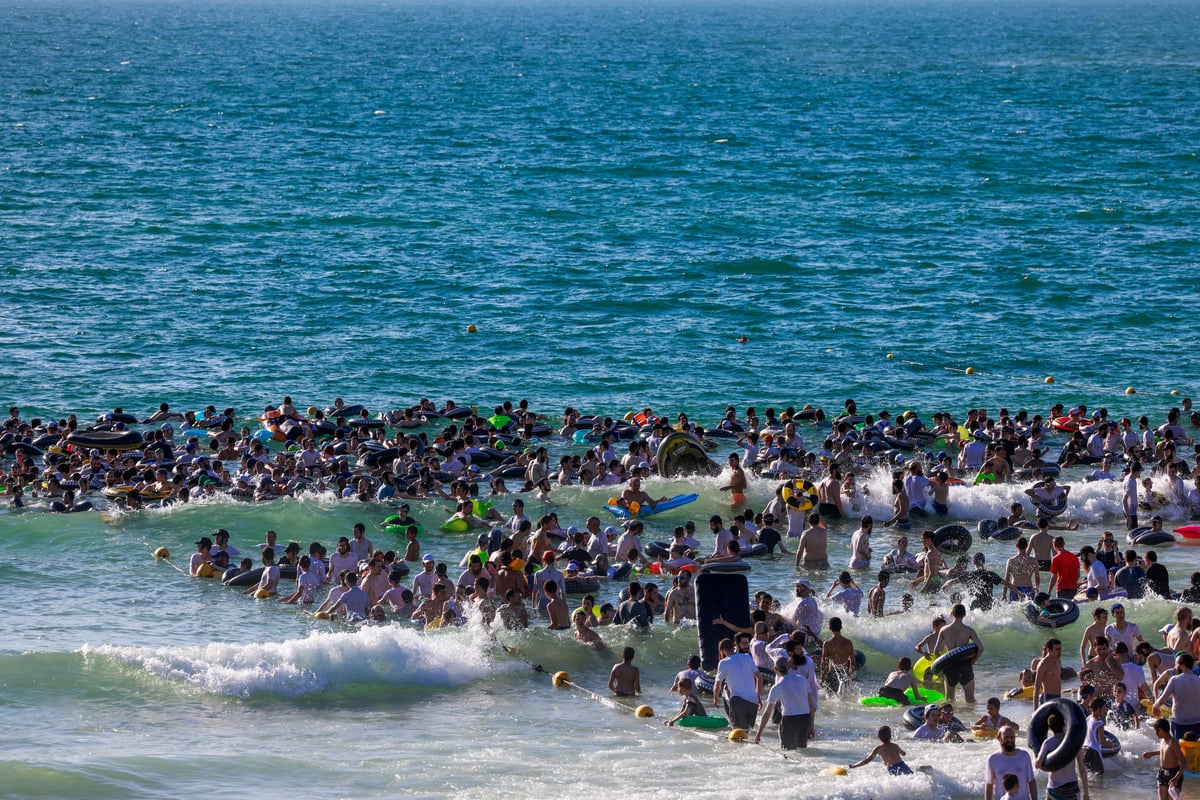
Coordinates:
(471, 329)
(1049, 379)
(561, 679)
(891, 355)
(1175, 392)
(1131, 390)
(737, 735)
(838, 771)
(970, 370)
(644, 712)
(323, 615)
(628, 416)
(162, 552)
(262, 594)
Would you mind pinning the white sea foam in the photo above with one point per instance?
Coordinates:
(388, 654)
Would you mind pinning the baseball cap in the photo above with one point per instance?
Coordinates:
(803, 582)
(573, 565)
(204, 542)
(427, 558)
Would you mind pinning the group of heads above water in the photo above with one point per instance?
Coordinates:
(461, 453)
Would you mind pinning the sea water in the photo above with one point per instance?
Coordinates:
(226, 202)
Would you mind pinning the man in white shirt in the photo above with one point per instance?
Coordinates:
(790, 694)
(1009, 761)
(738, 673)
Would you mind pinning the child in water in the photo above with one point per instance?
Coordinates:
(893, 688)
(692, 707)
(889, 752)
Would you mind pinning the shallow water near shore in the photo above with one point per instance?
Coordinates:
(226, 202)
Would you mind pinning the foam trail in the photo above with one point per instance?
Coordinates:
(390, 654)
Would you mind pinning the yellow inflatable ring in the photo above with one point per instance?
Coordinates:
(800, 495)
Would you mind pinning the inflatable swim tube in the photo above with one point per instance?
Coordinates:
(799, 494)
(959, 655)
(1148, 536)
(1032, 473)
(1006, 534)
(657, 549)
(681, 455)
(725, 566)
(352, 410)
(711, 722)
(1062, 612)
(581, 584)
(927, 696)
(252, 577)
(1052, 507)
(1157, 500)
(1073, 736)
(914, 717)
(952, 539)
(106, 440)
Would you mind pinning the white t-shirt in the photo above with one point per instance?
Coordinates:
(791, 692)
(738, 672)
(1097, 576)
(917, 489)
(1129, 498)
(1129, 637)
(1184, 692)
(307, 583)
(1019, 763)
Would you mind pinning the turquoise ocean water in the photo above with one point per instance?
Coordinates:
(226, 202)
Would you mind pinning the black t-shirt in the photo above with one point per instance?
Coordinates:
(981, 583)
(1157, 580)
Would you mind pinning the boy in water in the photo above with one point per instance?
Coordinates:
(584, 632)
(625, 680)
(893, 688)
(1170, 761)
(692, 707)
(889, 752)
(878, 596)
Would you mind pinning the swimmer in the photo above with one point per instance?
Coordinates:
(1171, 761)
(993, 720)
(737, 481)
(584, 632)
(692, 707)
(898, 681)
(625, 679)
(889, 753)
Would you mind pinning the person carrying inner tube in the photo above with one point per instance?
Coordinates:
(954, 635)
(1065, 782)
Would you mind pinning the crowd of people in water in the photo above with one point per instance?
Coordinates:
(171, 457)
(521, 571)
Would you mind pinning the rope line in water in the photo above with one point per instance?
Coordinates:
(607, 701)
(1028, 379)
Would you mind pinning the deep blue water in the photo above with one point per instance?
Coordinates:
(226, 202)
(232, 200)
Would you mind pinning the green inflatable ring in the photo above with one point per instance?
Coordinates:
(710, 722)
(927, 696)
